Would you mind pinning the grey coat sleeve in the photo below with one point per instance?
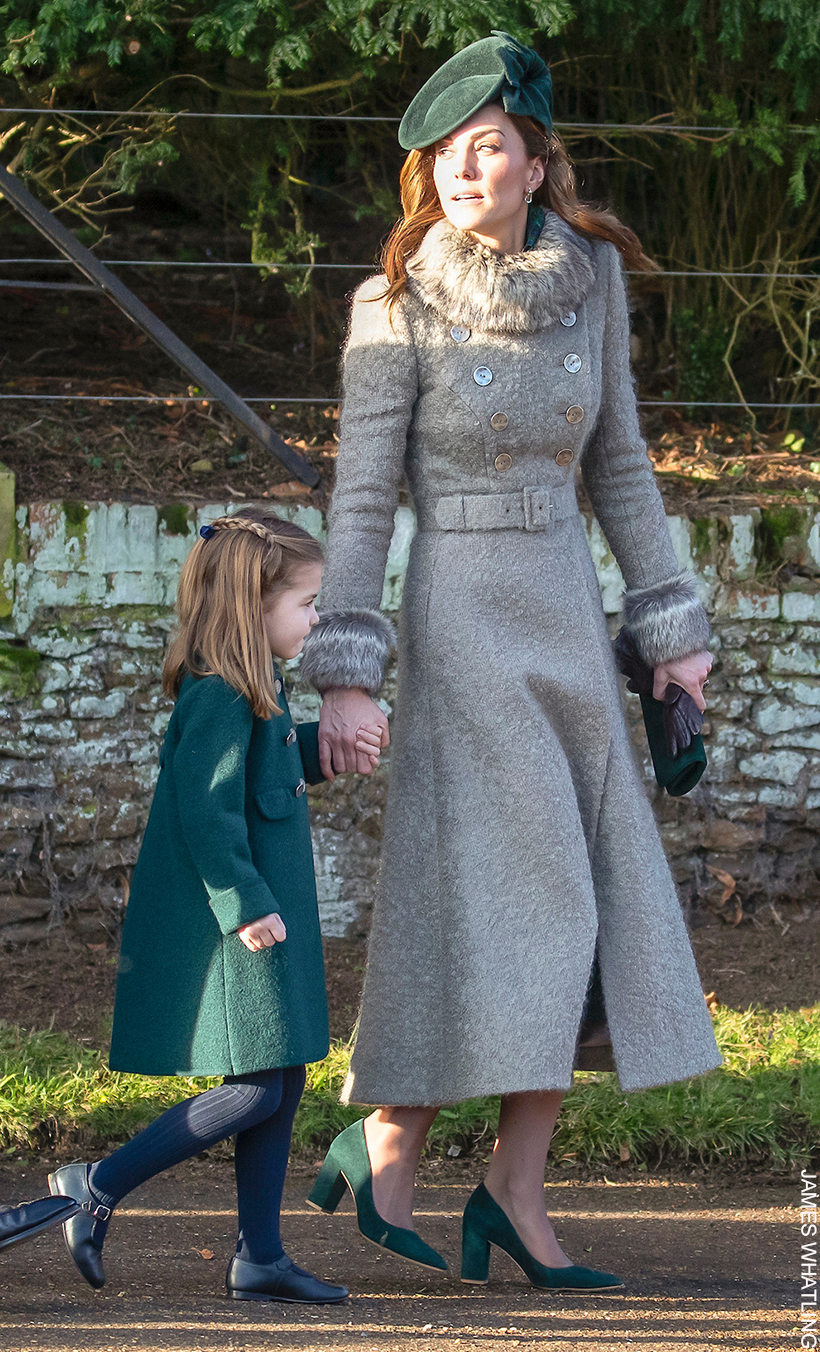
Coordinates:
(351, 643)
(661, 606)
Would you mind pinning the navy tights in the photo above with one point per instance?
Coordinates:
(259, 1110)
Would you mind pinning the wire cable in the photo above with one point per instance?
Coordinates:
(642, 127)
(354, 267)
(273, 399)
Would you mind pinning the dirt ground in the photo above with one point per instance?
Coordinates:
(707, 1263)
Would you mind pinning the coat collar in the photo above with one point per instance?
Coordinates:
(468, 283)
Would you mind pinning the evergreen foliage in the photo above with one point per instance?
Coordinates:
(748, 198)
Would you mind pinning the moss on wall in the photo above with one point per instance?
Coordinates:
(175, 518)
(780, 537)
(19, 670)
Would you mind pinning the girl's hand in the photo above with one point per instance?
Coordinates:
(263, 933)
(688, 672)
(369, 743)
(345, 716)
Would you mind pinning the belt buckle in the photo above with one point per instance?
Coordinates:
(538, 509)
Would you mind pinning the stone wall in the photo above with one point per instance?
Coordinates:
(85, 609)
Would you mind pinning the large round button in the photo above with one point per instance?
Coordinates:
(460, 333)
(291, 737)
(499, 421)
(300, 788)
(503, 461)
(575, 413)
(565, 457)
(482, 375)
(572, 363)
(569, 319)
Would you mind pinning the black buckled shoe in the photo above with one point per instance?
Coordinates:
(84, 1233)
(283, 1281)
(19, 1223)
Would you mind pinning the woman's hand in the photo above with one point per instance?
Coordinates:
(689, 673)
(263, 933)
(348, 726)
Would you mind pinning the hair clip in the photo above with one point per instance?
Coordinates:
(207, 532)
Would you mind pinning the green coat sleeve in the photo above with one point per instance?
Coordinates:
(209, 778)
(308, 734)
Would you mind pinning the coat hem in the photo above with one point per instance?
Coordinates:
(495, 1090)
(127, 1067)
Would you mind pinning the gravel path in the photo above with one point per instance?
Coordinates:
(707, 1265)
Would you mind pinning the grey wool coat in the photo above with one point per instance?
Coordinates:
(518, 835)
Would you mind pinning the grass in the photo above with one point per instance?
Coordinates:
(762, 1106)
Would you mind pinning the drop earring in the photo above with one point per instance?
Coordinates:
(528, 196)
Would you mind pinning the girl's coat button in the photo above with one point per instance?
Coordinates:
(300, 788)
(291, 737)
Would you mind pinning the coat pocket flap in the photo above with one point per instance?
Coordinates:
(275, 803)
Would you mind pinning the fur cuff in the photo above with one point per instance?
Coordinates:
(348, 648)
(667, 621)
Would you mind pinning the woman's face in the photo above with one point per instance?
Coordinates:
(482, 173)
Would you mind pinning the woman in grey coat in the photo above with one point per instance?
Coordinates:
(489, 364)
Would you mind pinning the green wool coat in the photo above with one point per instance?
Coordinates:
(227, 841)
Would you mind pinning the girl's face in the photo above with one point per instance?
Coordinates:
(290, 614)
(482, 173)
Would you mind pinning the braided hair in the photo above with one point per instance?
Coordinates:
(237, 565)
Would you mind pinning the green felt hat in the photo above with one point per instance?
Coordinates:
(497, 69)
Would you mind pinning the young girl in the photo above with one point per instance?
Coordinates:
(221, 970)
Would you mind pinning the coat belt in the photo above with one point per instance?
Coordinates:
(530, 509)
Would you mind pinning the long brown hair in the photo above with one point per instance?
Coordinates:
(422, 208)
(224, 583)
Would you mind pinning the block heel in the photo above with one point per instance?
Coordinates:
(347, 1164)
(475, 1254)
(329, 1188)
(485, 1223)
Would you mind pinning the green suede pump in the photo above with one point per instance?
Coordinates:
(347, 1164)
(485, 1223)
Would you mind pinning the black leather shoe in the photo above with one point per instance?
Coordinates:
(84, 1233)
(19, 1223)
(283, 1281)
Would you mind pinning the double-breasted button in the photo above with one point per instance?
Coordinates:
(572, 363)
(291, 737)
(568, 319)
(499, 421)
(300, 788)
(502, 462)
(460, 333)
(565, 457)
(575, 413)
(482, 375)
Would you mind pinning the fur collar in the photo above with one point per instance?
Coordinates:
(468, 283)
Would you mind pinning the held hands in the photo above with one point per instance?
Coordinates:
(689, 673)
(263, 933)
(352, 731)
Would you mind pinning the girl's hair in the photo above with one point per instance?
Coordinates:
(422, 208)
(225, 580)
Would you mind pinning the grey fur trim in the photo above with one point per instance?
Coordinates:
(667, 621)
(348, 648)
(469, 283)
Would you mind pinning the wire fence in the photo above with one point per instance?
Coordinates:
(592, 128)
